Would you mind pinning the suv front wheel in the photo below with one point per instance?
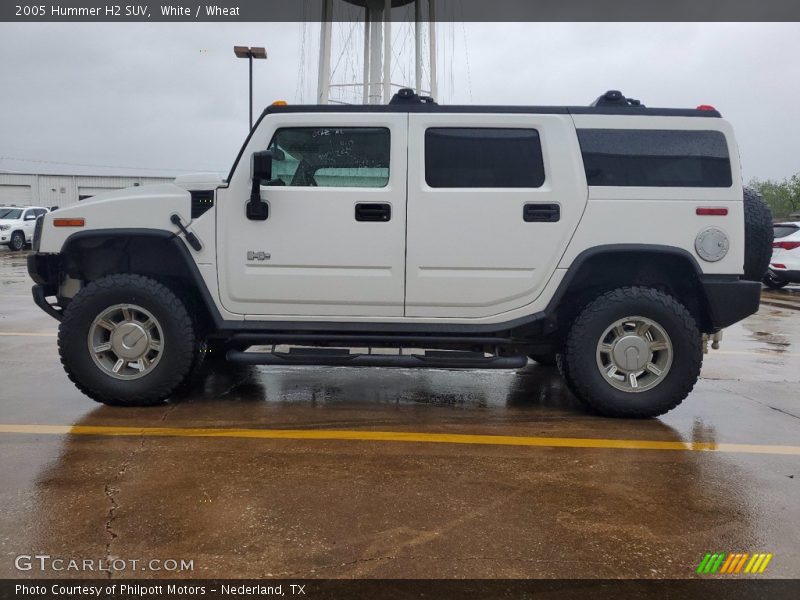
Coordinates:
(633, 352)
(17, 241)
(126, 340)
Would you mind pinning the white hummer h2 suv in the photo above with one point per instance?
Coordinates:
(607, 239)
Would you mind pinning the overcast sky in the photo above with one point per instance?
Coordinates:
(173, 96)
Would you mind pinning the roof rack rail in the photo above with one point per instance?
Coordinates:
(615, 98)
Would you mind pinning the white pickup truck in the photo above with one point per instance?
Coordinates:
(17, 224)
(607, 238)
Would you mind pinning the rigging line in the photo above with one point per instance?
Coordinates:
(344, 48)
(466, 55)
(398, 55)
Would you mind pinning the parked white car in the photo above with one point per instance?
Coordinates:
(17, 224)
(784, 267)
(607, 238)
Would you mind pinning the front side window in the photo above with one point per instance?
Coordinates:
(655, 158)
(331, 156)
(482, 157)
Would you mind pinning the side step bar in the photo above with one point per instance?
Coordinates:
(343, 358)
(376, 340)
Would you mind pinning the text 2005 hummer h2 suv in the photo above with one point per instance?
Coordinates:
(606, 238)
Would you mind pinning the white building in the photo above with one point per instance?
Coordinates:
(40, 189)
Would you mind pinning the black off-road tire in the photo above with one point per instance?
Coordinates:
(17, 241)
(547, 360)
(179, 340)
(583, 375)
(563, 369)
(773, 282)
(758, 235)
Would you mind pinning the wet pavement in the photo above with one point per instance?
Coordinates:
(250, 506)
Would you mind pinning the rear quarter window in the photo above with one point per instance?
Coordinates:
(655, 158)
(781, 230)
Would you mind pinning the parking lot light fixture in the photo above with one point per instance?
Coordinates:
(250, 53)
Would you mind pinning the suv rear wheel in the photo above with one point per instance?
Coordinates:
(633, 352)
(126, 340)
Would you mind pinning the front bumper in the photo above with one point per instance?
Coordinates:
(730, 299)
(45, 270)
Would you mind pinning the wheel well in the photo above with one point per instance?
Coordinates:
(156, 256)
(668, 272)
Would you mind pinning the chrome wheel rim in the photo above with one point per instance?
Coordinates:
(634, 354)
(17, 242)
(126, 341)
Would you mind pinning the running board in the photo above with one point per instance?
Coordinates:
(343, 358)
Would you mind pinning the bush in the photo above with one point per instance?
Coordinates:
(783, 197)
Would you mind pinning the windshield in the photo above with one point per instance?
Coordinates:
(10, 213)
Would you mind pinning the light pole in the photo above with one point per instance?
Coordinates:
(250, 54)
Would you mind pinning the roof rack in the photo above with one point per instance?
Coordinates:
(409, 96)
(615, 98)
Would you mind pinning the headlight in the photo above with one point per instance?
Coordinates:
(5, 227)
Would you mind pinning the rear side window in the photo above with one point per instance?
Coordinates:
(483, 158)
(784, 230)
(332, 156)
(655, 158)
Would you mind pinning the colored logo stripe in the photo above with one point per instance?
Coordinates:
(734, 563)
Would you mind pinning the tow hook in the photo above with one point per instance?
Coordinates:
(714, 338)
(191, 238)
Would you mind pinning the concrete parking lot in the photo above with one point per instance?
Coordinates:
(335, 472)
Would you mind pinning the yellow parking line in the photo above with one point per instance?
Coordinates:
(396, 436)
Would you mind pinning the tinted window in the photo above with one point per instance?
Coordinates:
(655, 158)
(10, 213)
(332, 157)
(784, 230)
(483, 157)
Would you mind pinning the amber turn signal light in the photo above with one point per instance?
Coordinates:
(69, 222)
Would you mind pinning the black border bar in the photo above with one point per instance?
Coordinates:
(712, 588)
(445, 10)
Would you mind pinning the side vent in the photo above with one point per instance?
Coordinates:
(201, 202)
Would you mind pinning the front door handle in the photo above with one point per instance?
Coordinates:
(373, 211)
(541, 213)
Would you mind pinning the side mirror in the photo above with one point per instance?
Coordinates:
(261, 172)
(30, 217)
(261, 165)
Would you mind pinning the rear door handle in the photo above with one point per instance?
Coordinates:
(375, 212)
(541, 213)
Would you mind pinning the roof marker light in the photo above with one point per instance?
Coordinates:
(280, 103)
(706, 107)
